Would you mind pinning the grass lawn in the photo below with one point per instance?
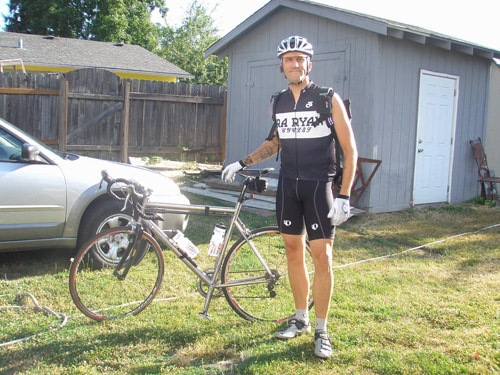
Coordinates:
(416, 292)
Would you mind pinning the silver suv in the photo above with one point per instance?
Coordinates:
(50, 199)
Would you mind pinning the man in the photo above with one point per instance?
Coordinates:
(304, 198)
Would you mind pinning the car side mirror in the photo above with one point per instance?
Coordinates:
(30, 152)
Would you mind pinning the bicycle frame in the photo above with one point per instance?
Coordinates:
(235, 223)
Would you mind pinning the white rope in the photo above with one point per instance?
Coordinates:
(38, 308)
(165, 299)
(64, 318)
(415, 248)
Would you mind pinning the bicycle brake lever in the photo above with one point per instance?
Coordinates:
(126, 200)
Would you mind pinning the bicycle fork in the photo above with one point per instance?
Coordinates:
(135, 250)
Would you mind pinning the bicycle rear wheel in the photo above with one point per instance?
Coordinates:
(259, 295)
(99, 293)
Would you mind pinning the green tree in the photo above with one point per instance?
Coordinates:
(125, 21)
(186, 45)
(54, 17)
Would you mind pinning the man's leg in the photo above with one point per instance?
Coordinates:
(323, 276)
(299, 282)
(322, 292)
(297, 272)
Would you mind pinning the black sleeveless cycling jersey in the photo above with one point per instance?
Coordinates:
(307, 148)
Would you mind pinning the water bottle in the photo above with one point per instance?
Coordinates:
(217, 240)
(186, 245)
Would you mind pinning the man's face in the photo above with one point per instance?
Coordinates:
(296, 65)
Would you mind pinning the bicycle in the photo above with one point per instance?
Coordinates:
(251, 273)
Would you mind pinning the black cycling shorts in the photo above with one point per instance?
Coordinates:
(303, 206)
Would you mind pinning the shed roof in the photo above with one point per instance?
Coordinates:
(67, 53)
(375, 24)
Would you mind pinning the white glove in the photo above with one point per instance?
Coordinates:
(340, 211)
(229, 172)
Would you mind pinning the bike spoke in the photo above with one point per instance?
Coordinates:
(102, 294)
(255, 291)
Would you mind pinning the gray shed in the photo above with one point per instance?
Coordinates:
(418, 96)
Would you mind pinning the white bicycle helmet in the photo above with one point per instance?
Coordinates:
(295, 44)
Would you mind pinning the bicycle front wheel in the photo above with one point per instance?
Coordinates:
(101, 291)
(254, 292)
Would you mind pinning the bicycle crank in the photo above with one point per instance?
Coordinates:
(202, 287)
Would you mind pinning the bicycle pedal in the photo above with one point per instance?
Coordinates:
(204, 316)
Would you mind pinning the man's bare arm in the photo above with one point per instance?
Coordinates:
(263, 152)
(347, 142)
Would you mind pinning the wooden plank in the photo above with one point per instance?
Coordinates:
(177, 98)
(125, 123)
(82, 128)
(63, 115)
(86, 148)
(361, 181)
(26, 91)
(100, 97)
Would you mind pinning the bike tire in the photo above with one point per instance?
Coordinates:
(101, 295)
(265, 300)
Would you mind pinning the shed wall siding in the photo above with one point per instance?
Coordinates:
(381, 78)
(396, 114)
(493, 129)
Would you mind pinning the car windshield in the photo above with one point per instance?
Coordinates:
(7, 140)
(11, 144)
(10, 147)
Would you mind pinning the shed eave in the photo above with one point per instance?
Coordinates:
(321, 10)
(362, 21)
(442, 41)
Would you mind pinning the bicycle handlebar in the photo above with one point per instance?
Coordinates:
(135, 194)
(257, 172)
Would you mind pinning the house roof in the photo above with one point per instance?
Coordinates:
(64, 54)
(375, 24)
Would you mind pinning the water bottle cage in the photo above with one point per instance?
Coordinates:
(257, 185)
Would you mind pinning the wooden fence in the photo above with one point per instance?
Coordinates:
(93, 112)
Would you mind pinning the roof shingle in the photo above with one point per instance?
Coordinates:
(38, 50)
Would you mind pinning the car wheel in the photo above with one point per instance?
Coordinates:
(102, 216)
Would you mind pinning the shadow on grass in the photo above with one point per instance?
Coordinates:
(156, 349)
(20, 264)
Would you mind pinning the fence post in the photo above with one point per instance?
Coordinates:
(63, 114)
(125, 122)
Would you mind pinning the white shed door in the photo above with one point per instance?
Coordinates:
(435, 129)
